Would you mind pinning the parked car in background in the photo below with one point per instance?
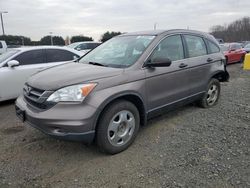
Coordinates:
(15, 46)
(247, 48)
(244, 43)
(220, 41)
(3, 47)
(116, 87)
(233, 52)
(84, 46)
(16, 66)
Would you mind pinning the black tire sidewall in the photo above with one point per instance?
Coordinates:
(102, 128)
(203, 102)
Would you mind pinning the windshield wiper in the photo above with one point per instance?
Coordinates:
(99, 64)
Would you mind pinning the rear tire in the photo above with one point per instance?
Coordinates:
(118, 127)
(242, 59)
(226, 60)
(212, 95)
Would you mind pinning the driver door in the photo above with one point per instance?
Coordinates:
(167, 85)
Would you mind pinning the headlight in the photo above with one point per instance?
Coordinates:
(75, 93)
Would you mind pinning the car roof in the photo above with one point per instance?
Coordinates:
(159, 32)
(27, 48)
(85, 42)
(24, 48)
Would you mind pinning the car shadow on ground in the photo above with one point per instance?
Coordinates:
(37, 142)
(7, 103)
(91, 150)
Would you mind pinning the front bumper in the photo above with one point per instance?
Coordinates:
(67, 121)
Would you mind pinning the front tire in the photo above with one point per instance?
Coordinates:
(118, 127)
(211, 97)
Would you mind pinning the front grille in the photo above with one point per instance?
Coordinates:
(37, 97)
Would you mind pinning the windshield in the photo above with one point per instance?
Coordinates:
(119, 52)
(7, 55)
(224, 47)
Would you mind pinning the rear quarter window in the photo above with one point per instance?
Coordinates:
(212, 47)
(58, 55)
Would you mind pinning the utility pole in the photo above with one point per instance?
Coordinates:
(155, 25)
(51, 38)
(1, 13)
(22, 41)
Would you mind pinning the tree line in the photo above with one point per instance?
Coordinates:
(238, 30)
(17, 40)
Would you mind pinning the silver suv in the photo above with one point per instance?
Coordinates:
(118, 86)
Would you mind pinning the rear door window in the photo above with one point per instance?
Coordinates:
(58, 55)
(195, 46)
(31, 57)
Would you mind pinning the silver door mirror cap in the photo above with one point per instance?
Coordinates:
(13, 63)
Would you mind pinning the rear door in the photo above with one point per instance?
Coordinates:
(14, 78)
(199, 64)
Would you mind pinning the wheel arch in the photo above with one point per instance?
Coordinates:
(132, 97)
(222, 76)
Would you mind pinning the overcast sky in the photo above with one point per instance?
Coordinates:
(36, 18)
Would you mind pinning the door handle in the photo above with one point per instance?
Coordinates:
(183, 65)
(209, 60)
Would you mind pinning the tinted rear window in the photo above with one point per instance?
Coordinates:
(58, 55)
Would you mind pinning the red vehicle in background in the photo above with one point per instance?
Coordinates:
(233, 52)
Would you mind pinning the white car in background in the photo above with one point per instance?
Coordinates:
(3, 47)
(18, 64)
(84, 46)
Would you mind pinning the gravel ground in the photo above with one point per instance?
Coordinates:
(188, 147)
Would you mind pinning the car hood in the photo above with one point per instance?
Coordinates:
(69, 74)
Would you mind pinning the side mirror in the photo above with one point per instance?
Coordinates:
(159, 62)
(79, 49)
(232, 50)
(13, 63)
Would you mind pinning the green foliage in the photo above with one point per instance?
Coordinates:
(15, 40)
(108, 35)
(57, 40)
(80, 38)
